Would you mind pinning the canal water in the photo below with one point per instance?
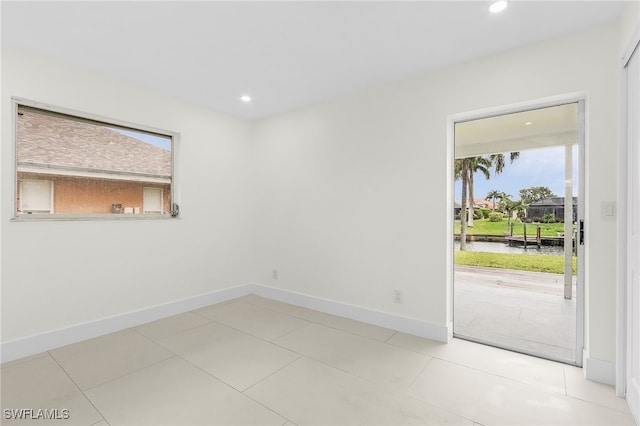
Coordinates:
(506, 248)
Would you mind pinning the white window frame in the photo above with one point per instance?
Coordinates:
(173, 187)
(144, 209)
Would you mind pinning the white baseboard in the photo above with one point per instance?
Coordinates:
(31, 345)
(358, 313)
(598, 370)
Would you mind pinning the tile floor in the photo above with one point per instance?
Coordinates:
(255, 361)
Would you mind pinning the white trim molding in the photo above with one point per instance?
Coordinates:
(31, 345)
(598, 370)
(407, 325)
(35, 344)
(621, 226)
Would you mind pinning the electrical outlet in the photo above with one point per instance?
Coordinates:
(397, 296)
(274, 274)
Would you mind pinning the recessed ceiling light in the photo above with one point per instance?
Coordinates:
(245, 98)
(498, 6)
(528, 123)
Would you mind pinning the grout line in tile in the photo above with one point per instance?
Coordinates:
(253, 335)
(598, 405)
(342, 329)
(267, 307)
(418, 375)
(512, 379)
(157, 342)
(81, 391)
(537, 386)
(349, 373)
(174, 334)
(289, 314)
(208, 373)
(390, 337)
(23, 359)
(364, 379)
(242, 392)
(319, 323)
(299, 355)
(443, 408)
(259, 337)
(228, 384)
(271, 374)
(132, 372)
(200, 315)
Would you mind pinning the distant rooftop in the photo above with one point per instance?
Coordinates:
(553, 201)
(51, 142)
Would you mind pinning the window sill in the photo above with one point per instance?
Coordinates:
(89, 217)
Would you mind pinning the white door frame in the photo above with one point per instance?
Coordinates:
(583, 131)
(624, 315)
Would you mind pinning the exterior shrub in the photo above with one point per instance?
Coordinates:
(484, 213)
(495, 217)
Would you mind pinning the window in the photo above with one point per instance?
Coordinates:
(98, 168)
(152, 200)
(35, 196)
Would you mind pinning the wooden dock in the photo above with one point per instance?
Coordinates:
(533, 240)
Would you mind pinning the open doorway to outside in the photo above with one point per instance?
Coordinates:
(517, 231)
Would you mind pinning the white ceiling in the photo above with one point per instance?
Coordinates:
(284, 54)
(532, 129)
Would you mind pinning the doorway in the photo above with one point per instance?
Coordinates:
(518, 220)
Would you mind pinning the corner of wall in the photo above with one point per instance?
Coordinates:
(35, 344)
(407, 325)
(598, 370)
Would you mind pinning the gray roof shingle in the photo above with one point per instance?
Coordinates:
(52, 140)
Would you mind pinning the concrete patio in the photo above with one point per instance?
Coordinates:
(519, 310)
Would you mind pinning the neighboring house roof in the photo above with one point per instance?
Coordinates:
(479, 202)
(552, 202)
(482, 202)
(52, 144)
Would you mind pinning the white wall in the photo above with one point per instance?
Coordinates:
(352, 195)
(630, 22)
(349, 200)
(60, 274)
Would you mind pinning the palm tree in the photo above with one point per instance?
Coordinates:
(506, 205)
(498, 160)
(520, 207)
(509, 206)
(477, 164)
(461, 168)
(465, 168)
(494, 195)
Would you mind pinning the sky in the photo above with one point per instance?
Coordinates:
(162, 142)
(539, 167)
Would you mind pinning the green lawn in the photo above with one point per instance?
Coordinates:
(484, 226)
(521, 262)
